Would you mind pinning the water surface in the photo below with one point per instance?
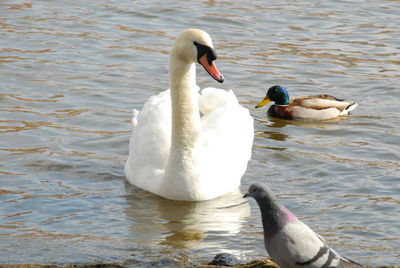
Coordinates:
(72, 71)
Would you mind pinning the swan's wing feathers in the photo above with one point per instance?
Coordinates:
(225, 122)
(150, 141)
(212, 98)
(227, 134)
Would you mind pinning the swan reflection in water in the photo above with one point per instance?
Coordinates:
(183, 225)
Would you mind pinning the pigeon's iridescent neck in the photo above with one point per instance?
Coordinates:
(289, 215)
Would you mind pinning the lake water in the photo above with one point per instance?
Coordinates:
(71, 72)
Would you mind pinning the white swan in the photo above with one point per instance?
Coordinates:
(186, 145)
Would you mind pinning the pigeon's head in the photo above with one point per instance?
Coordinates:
(274, 215)
(259, 191)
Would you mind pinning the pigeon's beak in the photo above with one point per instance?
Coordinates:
(246, 195)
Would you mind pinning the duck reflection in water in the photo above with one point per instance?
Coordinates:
(270, 133)
(274, 126)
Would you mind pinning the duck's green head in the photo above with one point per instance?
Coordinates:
(277, 94)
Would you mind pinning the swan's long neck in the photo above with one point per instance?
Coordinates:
(180, 181)
(185, 108)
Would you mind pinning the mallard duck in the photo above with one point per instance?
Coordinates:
(317, 107)
(189, 145)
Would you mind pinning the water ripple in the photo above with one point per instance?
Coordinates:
(72, 71)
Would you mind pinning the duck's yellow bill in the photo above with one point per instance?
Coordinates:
(263, 102)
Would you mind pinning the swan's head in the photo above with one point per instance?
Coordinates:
(194, 45)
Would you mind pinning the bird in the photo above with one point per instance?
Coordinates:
(315, 107)
(290, 242)
(187, 144)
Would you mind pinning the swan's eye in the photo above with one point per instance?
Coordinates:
(203, 49)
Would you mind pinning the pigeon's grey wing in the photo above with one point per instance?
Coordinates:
(303, 247)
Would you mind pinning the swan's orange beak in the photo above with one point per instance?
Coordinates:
(211, 68)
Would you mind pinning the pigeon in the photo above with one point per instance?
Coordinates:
(289, 242)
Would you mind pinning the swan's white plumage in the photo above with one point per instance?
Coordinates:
(211, 154)
(224, 145)
(150, 142)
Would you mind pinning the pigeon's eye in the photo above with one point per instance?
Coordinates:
(254, 190)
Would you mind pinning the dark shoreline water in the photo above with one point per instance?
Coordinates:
(252, 264)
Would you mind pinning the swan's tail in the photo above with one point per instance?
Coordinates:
(135, 114)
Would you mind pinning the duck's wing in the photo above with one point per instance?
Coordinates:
(301, 112)
(322, 101)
